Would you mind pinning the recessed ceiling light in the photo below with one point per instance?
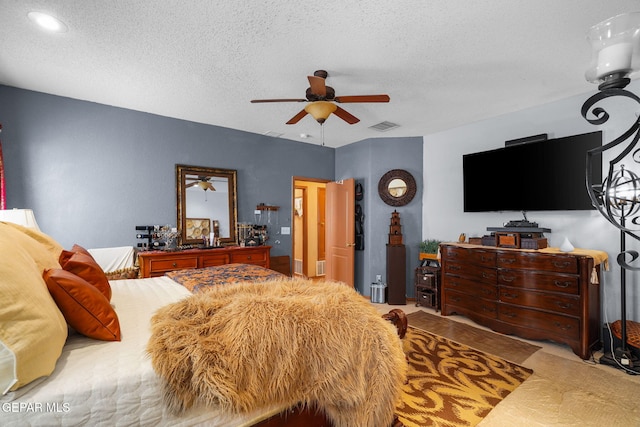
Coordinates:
(48, 22)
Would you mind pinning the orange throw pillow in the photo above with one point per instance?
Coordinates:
(85, 266)
(84, 307)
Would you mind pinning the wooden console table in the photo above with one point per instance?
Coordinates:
(543, 294)
(157, 263)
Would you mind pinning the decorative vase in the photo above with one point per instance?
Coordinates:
(566, 245)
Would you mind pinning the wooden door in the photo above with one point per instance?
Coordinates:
(340, 235)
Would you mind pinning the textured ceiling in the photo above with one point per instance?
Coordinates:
(443, 62)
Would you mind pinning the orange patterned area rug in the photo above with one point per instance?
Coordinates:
(451, 384)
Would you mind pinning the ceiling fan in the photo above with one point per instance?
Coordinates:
(202, 181)
(322, 99)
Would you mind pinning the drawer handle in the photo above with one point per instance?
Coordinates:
(561, 284)
(485, 259)
(175, 265)
(562, 327)
(248, 256)
(508, 260)
(512, 296)
(486, 275)
(564, 305)
(488, 309)
(485, 291)
(508, 278)
(561, 264)
(456, 299)
(453, 267)
(511, 315)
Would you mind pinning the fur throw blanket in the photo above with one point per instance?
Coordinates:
(249, 345)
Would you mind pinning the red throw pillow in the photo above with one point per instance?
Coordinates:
(84, 307)
(85, 266)
(65, 255)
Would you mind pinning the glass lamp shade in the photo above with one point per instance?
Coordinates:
(623, 193)
(616, 48)
(320, 110)
(22, 217)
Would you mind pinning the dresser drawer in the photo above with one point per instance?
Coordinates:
(563, 283)
(464, 255)
(471, 303)
(211, 260)
(562, 304)
(563, 326)
(471, 287)
(537, 261)
(160, 266)
(250, 257)
(469, 271)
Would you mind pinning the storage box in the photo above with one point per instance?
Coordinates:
(508, 240)
(425, 298)
(475, 240)
(488, 240)
(534, 243)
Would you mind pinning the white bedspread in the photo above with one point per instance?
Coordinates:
(99, 383)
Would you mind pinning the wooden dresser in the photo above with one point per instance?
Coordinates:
(157, 263)
(532, 294)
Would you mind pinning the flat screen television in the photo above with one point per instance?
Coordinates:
(547, 175)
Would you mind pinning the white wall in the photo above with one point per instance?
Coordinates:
(443, 216)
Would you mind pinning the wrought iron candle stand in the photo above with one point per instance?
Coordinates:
(617, 198)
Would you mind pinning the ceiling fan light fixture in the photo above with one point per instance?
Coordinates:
(320, 110)
(205, 185)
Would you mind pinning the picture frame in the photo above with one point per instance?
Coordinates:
(197, 227)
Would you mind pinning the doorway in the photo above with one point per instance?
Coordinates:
(308, 233)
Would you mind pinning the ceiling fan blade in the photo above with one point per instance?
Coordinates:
(191, 184)
(318, 85)
(295, 119)
(210, 186)
(362, 98)
(346, 116)
(279, 100)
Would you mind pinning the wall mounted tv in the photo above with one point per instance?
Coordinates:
(546, 175)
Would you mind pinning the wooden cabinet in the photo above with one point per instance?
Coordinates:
(427, 286)
(396, 275)
(157, 263)
(527, 293)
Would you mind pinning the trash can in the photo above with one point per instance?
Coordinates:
(378, 292)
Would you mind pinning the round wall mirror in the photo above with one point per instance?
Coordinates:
(397, 187)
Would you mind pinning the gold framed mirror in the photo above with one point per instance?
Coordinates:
(206, 203)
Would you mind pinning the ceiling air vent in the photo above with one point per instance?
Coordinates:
(273, 134)
(384, 126)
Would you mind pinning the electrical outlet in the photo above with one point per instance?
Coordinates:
(285, 230)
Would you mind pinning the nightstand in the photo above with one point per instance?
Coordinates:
(427, 286)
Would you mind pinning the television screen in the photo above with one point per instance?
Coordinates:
(535, 176)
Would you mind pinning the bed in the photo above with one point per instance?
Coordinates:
(92, 381)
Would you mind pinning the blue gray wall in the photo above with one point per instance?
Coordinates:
(92, 172)
(367, 161)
